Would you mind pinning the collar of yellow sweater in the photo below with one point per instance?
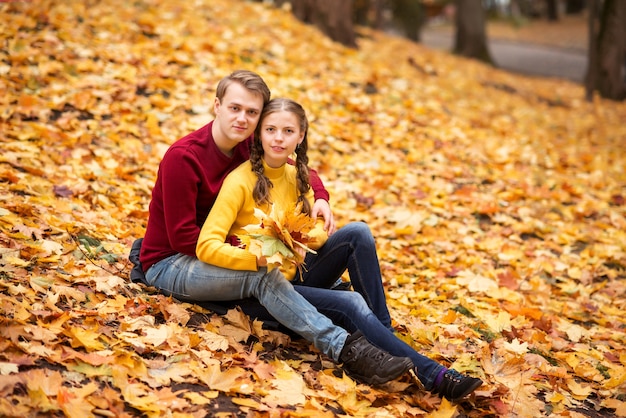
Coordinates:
(273, 173)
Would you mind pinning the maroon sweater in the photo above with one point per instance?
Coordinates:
(188, 181)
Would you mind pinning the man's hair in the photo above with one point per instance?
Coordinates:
(248, 79)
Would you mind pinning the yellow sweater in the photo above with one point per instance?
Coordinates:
(234, 209)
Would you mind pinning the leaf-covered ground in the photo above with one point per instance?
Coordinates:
(498, 203)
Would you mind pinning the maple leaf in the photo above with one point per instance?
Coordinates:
(231, 380)
(289, 387)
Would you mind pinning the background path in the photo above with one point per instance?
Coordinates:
(537, 48)
(525, 58)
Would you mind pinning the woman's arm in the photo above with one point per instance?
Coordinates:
(212, 247)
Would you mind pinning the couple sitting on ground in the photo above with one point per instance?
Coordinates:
(208, 186)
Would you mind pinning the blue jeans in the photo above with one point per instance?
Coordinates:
(350, 311)
(187, 278)
(353, 247)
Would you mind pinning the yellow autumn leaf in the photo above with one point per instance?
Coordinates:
(202, 398)
(288, 387)
(617, 405)
(250, 403)
(475, 282)
(232, 380)
(446, 410)
(85, 338)
(516, 346)
(499, 322)
(579, 391)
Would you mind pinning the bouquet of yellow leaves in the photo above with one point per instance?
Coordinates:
(278, 235)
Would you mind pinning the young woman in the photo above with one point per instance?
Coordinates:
(267, 180)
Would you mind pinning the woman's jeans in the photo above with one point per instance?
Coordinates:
(353, 247)
(349, 310)
(187, 278)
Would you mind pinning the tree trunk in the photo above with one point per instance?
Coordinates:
(410, 16)
(553, 13)
(333, 17)
(574, 6)
(369, 13)
(471, 36)
(592, 54)
(607, 50)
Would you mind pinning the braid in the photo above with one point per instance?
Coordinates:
(302, 161)
(261, 192)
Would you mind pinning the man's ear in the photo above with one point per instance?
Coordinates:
(216, 106)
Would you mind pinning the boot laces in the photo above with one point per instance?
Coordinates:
(373, 353)
(453, 375)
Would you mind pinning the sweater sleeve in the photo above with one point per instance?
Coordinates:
(317, 186)
(318, 235)
(212, 248)
(180, 182)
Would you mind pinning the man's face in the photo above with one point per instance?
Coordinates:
(236, 115)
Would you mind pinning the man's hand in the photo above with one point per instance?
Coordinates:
(322, 207)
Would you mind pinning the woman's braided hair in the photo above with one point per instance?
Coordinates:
(263, 185)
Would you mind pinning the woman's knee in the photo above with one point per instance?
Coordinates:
(352, 301)
(360, 233)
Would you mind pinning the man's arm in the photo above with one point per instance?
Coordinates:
(321, 207)
(180, 193)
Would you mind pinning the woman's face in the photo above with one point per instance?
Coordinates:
(280, 134)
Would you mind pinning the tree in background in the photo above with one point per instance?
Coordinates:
(471, 35)
(553, 10)
(333, 17)
(607, 49)
(410, 16)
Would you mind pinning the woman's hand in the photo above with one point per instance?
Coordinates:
(322, 207)
(261, 261)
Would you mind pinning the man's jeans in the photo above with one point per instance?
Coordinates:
(187, 278)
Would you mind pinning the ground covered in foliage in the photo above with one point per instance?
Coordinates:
(498, 203)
